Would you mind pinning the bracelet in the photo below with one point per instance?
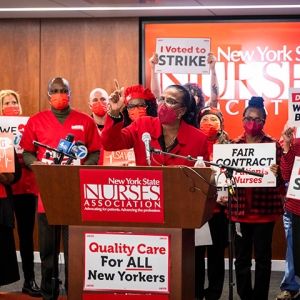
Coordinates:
(114, 117)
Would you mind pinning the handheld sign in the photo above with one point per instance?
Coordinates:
(294, 107)
(252, 157)
(294, 185)
(7, 157)
(182, 55)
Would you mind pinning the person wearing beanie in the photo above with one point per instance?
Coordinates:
(211, 122)
(139, 102)
(257, 210)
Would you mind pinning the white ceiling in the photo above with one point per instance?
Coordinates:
(140, 8)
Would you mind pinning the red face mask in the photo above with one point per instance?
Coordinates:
(99, 108)
(166, 114)
(209, 128)
(253, 128)
(11, 111)
(137, 112)
(59, 101)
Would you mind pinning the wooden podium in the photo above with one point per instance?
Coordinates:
(189, 202)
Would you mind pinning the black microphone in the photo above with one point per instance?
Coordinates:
(64, 146)
(146, 139)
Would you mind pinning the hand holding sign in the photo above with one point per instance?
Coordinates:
(116, 100)
(287, 136)
(153, 60)
(211, 59)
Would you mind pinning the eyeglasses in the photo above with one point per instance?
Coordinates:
(256, 120)
(132, 106)
(168, 101)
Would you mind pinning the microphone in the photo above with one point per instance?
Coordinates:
(78, 150)
(63, 147)
(146, 139)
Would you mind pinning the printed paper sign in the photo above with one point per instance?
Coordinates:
(294, 107)
(123, 157)
(16, 126)
(7, 156)
(252, 157)
(182, 55)
(127, 262)
(294, 185)
(122, 195)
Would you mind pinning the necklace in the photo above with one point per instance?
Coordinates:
(172, 142)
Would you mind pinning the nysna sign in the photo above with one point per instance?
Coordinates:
(122, 195)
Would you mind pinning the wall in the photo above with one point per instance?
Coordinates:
(88, 52)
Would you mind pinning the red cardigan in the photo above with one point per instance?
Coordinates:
(191, 141)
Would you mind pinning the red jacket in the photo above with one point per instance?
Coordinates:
(191, 141)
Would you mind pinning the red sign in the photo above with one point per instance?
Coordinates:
(122, 196)
(295, 97)
(124, 297)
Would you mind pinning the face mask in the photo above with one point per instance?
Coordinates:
(59, 101)
(210, 129)
(166, 114)
(11, 111)
(137, 112)
(253, 128)
(99, 108)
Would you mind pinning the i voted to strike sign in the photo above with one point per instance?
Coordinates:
(127, 262)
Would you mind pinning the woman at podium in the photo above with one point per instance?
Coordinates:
(173, 131)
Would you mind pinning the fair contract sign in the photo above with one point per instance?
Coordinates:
(252, 157)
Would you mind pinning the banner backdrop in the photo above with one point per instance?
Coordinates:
(254, 58)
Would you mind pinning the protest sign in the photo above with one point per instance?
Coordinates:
(294, 185)
(251, 157)
(294, 107)
(127, 262)
(182, 55)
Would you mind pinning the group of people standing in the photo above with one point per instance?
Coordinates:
(179, 122)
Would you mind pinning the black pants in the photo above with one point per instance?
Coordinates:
(258, 235)
(46, 241)
(218, 226)
(25, 209)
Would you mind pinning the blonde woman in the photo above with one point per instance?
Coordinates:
(24, 200)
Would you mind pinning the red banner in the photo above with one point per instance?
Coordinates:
(253, 59)
(122, 195)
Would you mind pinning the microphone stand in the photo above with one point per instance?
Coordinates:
(229, 175)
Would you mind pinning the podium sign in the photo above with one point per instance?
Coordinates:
(122, 195)
(127, 262)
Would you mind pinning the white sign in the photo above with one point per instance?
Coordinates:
(182, 55)
(294, 107)
(15, 125)
(127, 262)
(294, 185)
(252, 157)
